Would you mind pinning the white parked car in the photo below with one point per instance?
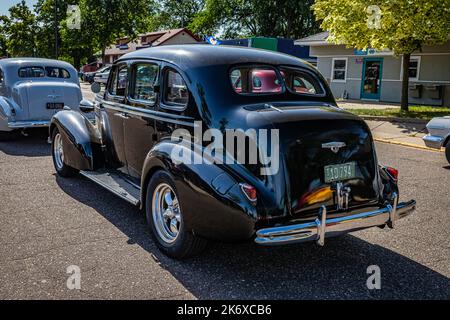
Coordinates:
(439, 135)
(102, 75)
(32, 90)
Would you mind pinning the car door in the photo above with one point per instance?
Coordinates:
(114, 114)
(139, 127)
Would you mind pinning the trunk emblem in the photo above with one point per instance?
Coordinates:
(334, 146)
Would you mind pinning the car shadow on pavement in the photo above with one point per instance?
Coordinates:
(247, 271)
(412, 128)
(34, 144)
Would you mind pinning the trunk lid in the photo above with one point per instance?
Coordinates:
(305, 135)
(39, 94)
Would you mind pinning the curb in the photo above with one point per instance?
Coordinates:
(394, 119)
(405, 144)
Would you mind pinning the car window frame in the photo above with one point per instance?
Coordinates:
(132, 80)
(163, 85)
(116, 97)
(309, 72)
(255, 66)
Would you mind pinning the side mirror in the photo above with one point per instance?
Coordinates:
(86, 106)
(95, 87)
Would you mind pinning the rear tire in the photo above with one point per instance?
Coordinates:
(58, 156)
(447, 151)
(163, 210)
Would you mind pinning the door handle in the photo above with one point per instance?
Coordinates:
(122, 115)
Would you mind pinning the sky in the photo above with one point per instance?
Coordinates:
(6, 4)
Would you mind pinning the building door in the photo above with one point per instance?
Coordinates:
(371, 78)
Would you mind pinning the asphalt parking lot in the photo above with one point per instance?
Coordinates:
(49, 223)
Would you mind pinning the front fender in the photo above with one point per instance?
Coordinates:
(216, 207)
(81, 140)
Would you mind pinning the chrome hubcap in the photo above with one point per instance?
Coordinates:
(58, 151)
(166, 213)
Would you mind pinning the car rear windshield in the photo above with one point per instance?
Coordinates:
(31, 72)
(256, 80)
(40, 72)
(269, 80)
(55, 72)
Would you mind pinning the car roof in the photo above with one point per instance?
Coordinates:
(204, 55)
(9, 62)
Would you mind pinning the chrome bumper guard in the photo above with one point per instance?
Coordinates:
(28, 124)
(322, 227)
(434, 142)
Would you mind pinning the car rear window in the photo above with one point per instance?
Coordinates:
(55, 72)
(256, 80)
(31, 72)
(302, 82)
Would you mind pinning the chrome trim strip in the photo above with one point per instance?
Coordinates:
(318, 230)
(28, 124)
(157, 115)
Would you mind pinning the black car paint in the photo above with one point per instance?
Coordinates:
(210, 194)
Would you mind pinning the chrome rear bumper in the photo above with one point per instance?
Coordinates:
(322, 227)
(434, 142)
(28, 124)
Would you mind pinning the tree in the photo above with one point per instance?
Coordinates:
(172, 14)
(108, 20)
(270, 18)
(49, 19)
(3, 38)
(403, 26)
(20, 28)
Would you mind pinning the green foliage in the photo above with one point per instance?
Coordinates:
(21, 30)
(405, 25)
(417, 112)
(270, 18)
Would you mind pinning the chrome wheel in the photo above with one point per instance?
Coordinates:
(58, 152)
(166, 213)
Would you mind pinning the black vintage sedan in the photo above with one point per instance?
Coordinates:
(176, 132)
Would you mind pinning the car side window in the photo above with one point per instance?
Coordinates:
(175, 89)
(119, 80)
(2, 79)
(145, 77)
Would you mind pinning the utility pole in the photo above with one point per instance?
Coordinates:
(56, 29)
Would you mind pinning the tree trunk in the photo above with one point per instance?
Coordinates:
(405, 82)
(77, 61)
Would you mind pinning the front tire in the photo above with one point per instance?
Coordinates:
(447, 151)
(58, 156)
(163, 209)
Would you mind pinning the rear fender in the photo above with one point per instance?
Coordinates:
(217, 208)
(7, 112)
(81, 140)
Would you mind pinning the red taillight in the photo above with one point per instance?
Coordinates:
(249, 191)
(392, 172)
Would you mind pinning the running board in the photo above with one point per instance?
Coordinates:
(115, 183)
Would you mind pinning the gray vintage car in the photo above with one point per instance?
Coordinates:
(439, 135)
(32, 90)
